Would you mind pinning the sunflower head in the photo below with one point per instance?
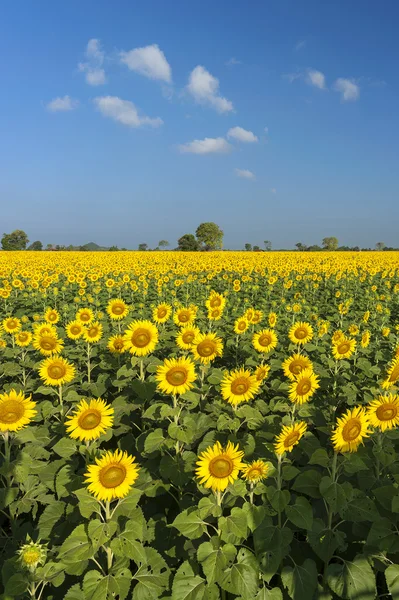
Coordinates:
(289, 437)
(351, 429)
(16, 411)
(206, 347)
(93, 332)
(255, 471)
(47, 344)
(383, 413)
(300, 333)
(185, 337)
(241, 325)
(116, 344)
(56, 371)
(51, 316)
(239, 386)
(23, 338)
(217, 467)
(117, 309)
(176, 376)
(90, 420)
(264, 341)
(343, 348)
(12, 325)
(161, 313)
(112, 476)
(85, 316)
(304, 386)
(74, 330)
(141, 337)
(32, 554)
(262, 372)
(294, 365)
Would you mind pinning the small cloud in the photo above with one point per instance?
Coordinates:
(245, 173)
(204, 88)
(232, 62)
(273, 191)
(95, 74)
(348, 88)
(316, 78)
(124, 111)
(241, 135)
(206, 146)
(266, 130)
(299, 45)
(291, 77)
(149, 61)
(62, 104)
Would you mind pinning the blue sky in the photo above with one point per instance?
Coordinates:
(133, 121)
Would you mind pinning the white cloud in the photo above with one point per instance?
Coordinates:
(242, 135)
(62, 104)
(124, 112)
(149, 61)
(245, 173)
(273, 191)
(232, 62)
(204, 88)
(316, 78)
(206, 146)
(348, 88)
(95, 74)
(266, 130)
(291, 77)
(299, 45)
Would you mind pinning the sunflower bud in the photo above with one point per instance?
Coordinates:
(32, 554)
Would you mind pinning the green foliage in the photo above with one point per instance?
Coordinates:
(17, 240)
(210, 236)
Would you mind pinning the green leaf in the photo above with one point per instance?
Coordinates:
(392, 579)
(154, 441)
(99, 532)
(152, 578)
(300, 513)
(76, 547)
(87, 503)
(242, 578)
(74, 593)
(333, 493)
(308, 483)
(360, 509)
(273, 594)
(190, 524)
(189, 586)
(300, 581)
(129, 541)
(353, 580)
(65, 447)
(127, 506)
(384, 536)
(97, 587)
(16, 585)
(271, 546)
(214, 560)
(255, 515)
(50, 516)
(289, 472)
(320, 457)
(278, 498)
(234, 527)
(324, 541)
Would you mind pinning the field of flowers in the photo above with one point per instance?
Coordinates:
(199, 426)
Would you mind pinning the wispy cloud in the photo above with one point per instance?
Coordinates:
(241, 135)
(316, 79)
(149, 61)
(245, 173)
(348, 88)
(273, 190)
(300, 45)
(232, 62)
(291, 77)
(206, 146)
(63, 104)
(93, 67)
(124, 111)
(204, 88)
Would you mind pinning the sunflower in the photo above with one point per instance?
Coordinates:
(215, 300)
(289, 437)
(51, 315)
(184, 316)
(44, 329)
(16, 411)
(337, 336)
(23, 338)
(351, 428)
(365, 339)
(161, 313)
(12, 325)
(186, 336)
(392, 374)
(344, 348)
(176, 376)
(300, 333)
(217, 467)
(257, 317)
(384, 412)
(93, 332)
(141, 337)
(262, 372)
(272, 318)
(91, 419)
(47, 344)
(304, 386)
(239, 386)
(112, 476)
(294, 365)
(74, 330)
(117, 309)
(264, 341)
(116, 344)
(32, 554)
(85, 316)
(255, 471)
(241, 325)
(215, 314)
(353, 329)
(56, 371)
(206, 347)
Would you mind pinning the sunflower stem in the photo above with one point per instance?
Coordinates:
(88, 362)
(379, 448)
(61, 400)
(279, 461)
(7, 456)
(141, 370)
(251, 493)
(333, 478)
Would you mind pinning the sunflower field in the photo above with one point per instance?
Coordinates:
(199, 426)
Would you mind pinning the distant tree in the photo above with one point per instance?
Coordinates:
(113, 249)
(380, 246)
(143, 247)
(314, 248)
(268, 245)
(300, 247)
(17, 240)
(36, 246)
(163, 243)
(187, 243)
(209, 236)
(248, 247)
(50, 247)
(330, 243)
(256, 249)
(123, 249)
(69, 248)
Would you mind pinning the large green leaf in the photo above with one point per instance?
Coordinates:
(87, 503)
(278, 498)
(383, 535)
(215, 559)
(234, 527)
(154, 441)
(271, 546)
(151, 577)
(308, 483)
(300, 513)
(76, 547)
(189, 586)
(50, 516)
(333, 493)
(353, 580)
(99, 532)
(242, 578)
(272, 594)
(392, 579)
(190, 524)
(300, 581)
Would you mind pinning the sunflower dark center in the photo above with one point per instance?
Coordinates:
(89, 419)
(176, 376)
(141, 337)
(386, 412)
(112, 475)
(240, 386)
(206, 348)
(221, 466)
(56, 371)
(11, 411)
(291, 439)
(351, 430)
